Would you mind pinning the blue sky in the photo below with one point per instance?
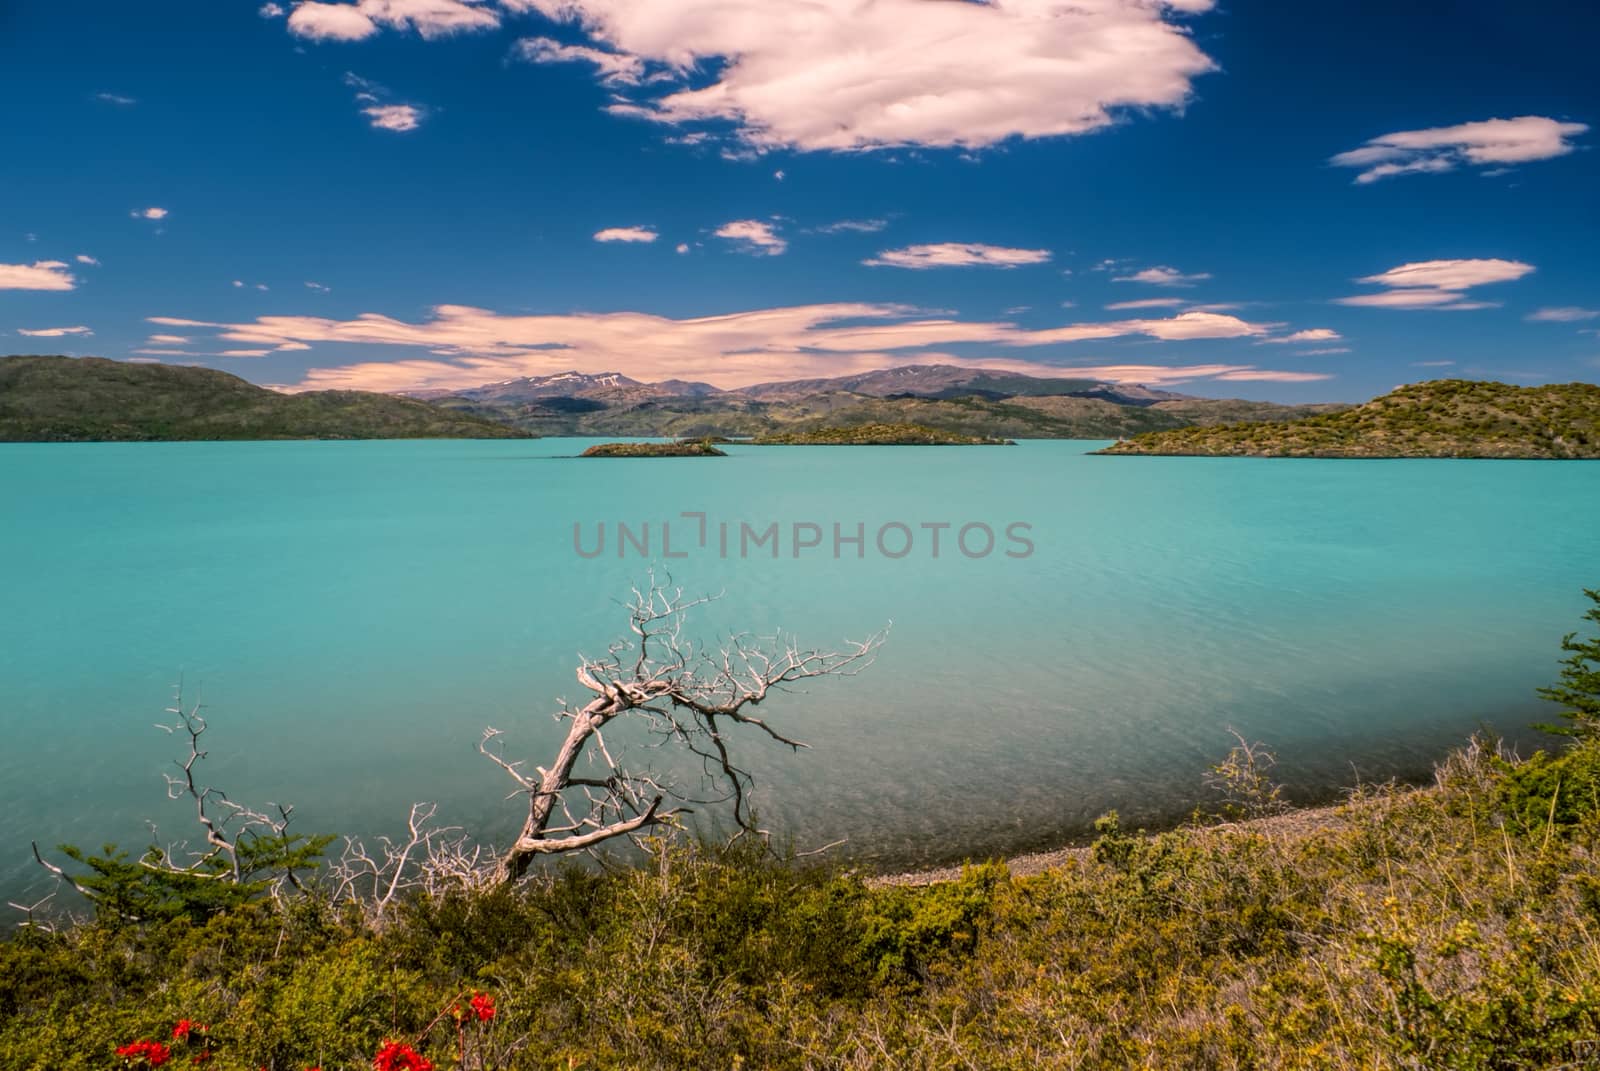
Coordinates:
(1234, 199)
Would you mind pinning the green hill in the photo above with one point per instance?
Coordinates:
(878, 435)
(1441, 418)
(90, 399)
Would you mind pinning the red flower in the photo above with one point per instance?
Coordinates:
(201, 1057)
(483, 1006)
(394, 1056)
(146, 1053)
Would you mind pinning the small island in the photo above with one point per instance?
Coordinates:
(681, 448)
(878, 435)
(1446, 418)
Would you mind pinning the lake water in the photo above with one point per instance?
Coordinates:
(354, 613)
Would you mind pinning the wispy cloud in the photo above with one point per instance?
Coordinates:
(1437, 284)
(149, 213)
(167, 340)
(116, 98)
(753, 236)
(86, 259)
(1565, 314)
(317, 287)
(40, 275)
(270, 11)
(1490, 143)
(610, 67)
(899, 72)
(467, 346)
(854, 226)
(1314, 334)
(957, 255)
(626, 234)
(53, 332)
(382, 113)
(1431, 364)
(1163, 276)
(1147, 303)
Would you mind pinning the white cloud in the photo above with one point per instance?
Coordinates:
(117, 99)
(1322, 352)
(753, 236)
(1437, 284)
(167, 340)
(1163, 276)
(317, 287)
(1431, 364)
(53, 332)
(1146, 303)
(897, 72)
(431, 19)
(85, 258)
(471, 346)
(683, 247)
(40, 275)
(381, 113)
(626, 234)
(957, 255)
(1314, 334)
(270, 11)
(1566, 314)
(396, 117)
(149, 213)
(1444, 148)
(854, 226)
(610, 67)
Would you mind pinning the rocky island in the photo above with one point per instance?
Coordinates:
(681, 448)
(1450, 418)
(878, 435)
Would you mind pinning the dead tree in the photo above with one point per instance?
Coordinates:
(682, 696)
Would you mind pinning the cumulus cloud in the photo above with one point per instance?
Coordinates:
(1566, 314)
(431, 19)
(1437, 284)
(1162, 276)
(753, 236)
(1489, 143)
(898, 72)
(469, 346)
(957, 255)
(626, 234)
(270, 11)
(53, 332)
(149, 213)
(396, 117)
(1314, 334)
(40, 275)
(683, 247)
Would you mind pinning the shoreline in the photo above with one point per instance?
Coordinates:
(1297, 821)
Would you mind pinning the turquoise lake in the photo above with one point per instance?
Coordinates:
(353, 614)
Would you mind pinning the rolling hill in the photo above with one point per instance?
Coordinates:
(90, 399)
(1441, 418)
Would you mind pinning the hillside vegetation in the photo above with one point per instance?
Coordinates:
(1452, 926)
(878, 435)
(88, 399)
(1442, 418)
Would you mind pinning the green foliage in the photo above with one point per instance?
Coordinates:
(159, 889)
(1579, 689)
(64, 399)
(1442, 418)
(877, 434)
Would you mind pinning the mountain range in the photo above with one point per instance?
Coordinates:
(970, 401)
